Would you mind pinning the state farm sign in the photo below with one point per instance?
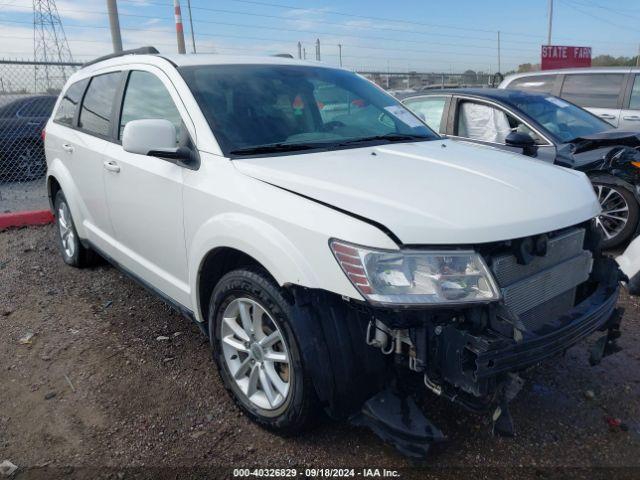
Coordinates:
(559, 56)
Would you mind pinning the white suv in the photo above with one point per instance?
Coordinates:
(332, 247)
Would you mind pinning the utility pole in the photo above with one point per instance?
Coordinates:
(114, 24)
(498, 50)
(340, 53)
(304, 53)
(179, 29)
(193, 35)
(638, 57)
(317, 49)
(550, 22)
(300, 50)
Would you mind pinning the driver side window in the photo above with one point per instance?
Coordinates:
(147, 98)
(478, 121)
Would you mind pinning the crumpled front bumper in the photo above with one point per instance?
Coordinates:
(476, 362)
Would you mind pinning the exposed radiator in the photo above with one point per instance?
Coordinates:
(545, 288)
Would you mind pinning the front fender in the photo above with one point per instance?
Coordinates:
(256, 238)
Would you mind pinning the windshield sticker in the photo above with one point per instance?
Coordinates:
(404, 116)
(557, 102)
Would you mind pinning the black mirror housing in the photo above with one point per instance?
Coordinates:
(524, 141)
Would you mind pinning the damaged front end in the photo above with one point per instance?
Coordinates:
(554, 290)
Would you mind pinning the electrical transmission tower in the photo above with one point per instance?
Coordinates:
(49, 47)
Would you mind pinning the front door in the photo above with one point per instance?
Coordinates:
(630, 115)
(144, 193)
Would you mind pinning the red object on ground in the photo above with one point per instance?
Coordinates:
(560, 56)
(22, 219)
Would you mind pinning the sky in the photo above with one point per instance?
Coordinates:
(407, 35)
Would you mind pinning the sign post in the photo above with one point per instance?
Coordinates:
(560, 56)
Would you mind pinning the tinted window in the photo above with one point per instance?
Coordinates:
(478, 121)
(430, 109)
(147, 98)
(635, 94)
(67, 109)
(599, 90)
(39, 107)
(535, 83)
(297, 108)
(95, 114)
(562, 119)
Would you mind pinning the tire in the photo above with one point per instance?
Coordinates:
(71, 248)
(620, 214)
(290, 412)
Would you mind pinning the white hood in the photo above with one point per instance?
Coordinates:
(437, 192)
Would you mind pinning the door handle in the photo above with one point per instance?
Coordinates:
(111, 166)
(67, 148)
(608, 116)
(632, 117)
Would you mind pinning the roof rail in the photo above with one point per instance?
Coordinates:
(133, 51)
(283, 55)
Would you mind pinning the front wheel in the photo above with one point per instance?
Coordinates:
(619, 217)
(257, 354)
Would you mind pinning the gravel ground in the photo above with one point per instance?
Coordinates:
(95, 393)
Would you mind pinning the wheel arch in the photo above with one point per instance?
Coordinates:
(59, 178)
(235, 240)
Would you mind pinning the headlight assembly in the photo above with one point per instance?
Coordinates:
(413, 277)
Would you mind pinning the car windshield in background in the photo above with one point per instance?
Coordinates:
(262, 109)
(562, 119)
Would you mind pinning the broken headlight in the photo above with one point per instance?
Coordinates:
(416, 276)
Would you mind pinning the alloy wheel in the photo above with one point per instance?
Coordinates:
(255, 354)
(67, 234)
(615, 211)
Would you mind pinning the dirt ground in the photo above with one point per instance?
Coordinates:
(96, 393)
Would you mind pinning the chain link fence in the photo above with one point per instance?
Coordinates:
(28, 92)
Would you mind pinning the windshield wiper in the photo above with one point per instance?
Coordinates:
(273, 148)
(391, 137)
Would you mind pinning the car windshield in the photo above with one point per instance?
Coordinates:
(262, 109)
(562, 119)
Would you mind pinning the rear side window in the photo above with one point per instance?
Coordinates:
(147, 98)
(534, 83)
(67, 110)
(95, 114)
(598, 90)
(39, 107)
(429, 109)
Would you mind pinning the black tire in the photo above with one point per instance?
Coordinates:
(81, 256)
(299, 410)
(625, 234)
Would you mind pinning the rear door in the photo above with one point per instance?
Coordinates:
(144, 193)
(600, 93)
(432, 109)
(630, 115)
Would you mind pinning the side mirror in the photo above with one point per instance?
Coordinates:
(144, 136)
(522, 140)
(157, 138)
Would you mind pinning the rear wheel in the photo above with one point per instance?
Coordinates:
(73, 252)
(257, 353)
(619, 216)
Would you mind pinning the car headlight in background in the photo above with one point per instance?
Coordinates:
(416, 276)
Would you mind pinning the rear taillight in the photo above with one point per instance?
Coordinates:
(43, 134)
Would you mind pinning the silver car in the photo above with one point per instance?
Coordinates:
(612, 93)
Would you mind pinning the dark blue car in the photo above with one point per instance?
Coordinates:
(21, 148)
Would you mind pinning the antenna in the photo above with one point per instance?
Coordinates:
(49, 46)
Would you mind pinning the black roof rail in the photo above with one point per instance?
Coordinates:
(133, 51)
(283, 55)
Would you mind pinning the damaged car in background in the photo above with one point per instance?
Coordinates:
(339, 255)
(552, 130)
